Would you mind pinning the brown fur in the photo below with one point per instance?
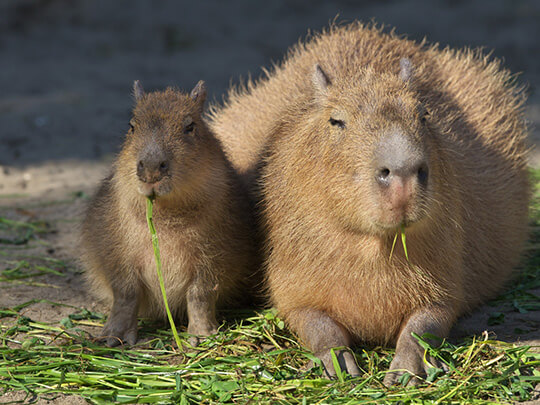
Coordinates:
(328, 250)
(200, 213)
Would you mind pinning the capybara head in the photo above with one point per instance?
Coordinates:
(378, 156)
(165, 139)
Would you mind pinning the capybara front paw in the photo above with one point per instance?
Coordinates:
(201, 331)
(346, 360)
(414, 364)
(116, 332)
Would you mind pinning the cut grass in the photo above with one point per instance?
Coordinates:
(253, 358)
(17, 266)
(19, 233)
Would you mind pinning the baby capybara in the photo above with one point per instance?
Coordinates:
(361, 134)
(200, 213)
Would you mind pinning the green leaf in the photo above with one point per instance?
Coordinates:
(66, 323)
(337, 367)
(433, 373)
(224, 386)
(28, 343)
(404, 378)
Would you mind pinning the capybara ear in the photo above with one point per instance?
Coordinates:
(320, 79)
(406, 70)
(138, 91)
(198, 93)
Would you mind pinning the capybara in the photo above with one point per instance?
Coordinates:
(357, 135)
(200, 213)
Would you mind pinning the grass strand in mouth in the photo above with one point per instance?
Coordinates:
(393, 246)
(155, 245)
(403, 241)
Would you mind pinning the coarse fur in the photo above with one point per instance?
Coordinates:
(200, 212)
(307, 134)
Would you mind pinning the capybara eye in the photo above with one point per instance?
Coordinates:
(337, 123)
(189, 128)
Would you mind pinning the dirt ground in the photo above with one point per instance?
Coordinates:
(68, 66)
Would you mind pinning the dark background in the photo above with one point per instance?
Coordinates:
(67, 65)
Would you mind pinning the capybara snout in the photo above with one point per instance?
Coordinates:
(401, 174)
(153, 167)
(153, 164)
(398, 160)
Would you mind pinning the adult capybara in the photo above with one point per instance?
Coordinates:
(200, 212)
(359, 134)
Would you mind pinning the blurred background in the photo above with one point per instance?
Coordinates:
(67, 66)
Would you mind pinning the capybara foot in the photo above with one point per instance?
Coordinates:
(201, 308)
(434, 320)
(320, 332)
(411, 361)
(200, 331)
(346, 360)
(118, 330)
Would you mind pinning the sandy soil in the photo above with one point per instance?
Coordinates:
(68, 65)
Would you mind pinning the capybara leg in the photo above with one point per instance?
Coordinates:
(409, 355)
(321, 333)
(122, 323)
(201, 310)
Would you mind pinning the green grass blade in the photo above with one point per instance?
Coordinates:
(155, 244)
(393, 246)
(404, 241)
(337, 367)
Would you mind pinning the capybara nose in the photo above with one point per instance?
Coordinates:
(397, 158)
(152, 166)
(419, 172)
